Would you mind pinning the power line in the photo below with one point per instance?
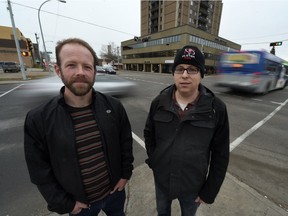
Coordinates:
(261, 42)
(78, 20)
(261, 36)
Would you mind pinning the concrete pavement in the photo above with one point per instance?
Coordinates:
(234, 199)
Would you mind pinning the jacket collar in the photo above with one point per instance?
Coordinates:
(61, 99)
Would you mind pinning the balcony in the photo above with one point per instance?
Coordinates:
(204, 4)
(154, 16)
(203, 11)
(202, 20)
(154, 6)
(202, 27)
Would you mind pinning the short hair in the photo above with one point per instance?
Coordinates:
(79, 41)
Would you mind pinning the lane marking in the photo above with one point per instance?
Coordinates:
(138, 140)
(241, 138)
(11, 90)
(274, 102)
(148, 81)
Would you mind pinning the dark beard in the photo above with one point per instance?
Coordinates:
(78, 91)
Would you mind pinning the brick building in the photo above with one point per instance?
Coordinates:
(8, 51)
(166, 26)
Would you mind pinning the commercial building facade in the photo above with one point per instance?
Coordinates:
(8, 51)
(166, 26)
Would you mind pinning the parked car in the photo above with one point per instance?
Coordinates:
(100, 69)
(1, 63)
(11, 67)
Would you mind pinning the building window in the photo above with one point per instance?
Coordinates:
(161, 41)
(201, 41)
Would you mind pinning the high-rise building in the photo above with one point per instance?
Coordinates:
(167, 26)
(159, 15)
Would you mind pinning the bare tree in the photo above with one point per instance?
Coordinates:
(109, 52)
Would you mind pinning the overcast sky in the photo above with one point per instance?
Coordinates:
(251, 23)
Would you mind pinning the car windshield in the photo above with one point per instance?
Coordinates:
(10, 63)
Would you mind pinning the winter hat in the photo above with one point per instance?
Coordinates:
(190, 55)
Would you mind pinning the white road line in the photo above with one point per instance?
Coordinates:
(138, 140)
(10, 90)
(241, 138)
(273, 102)
(255, 99)
(147, 81)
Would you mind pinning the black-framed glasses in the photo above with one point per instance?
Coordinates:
(190, 70)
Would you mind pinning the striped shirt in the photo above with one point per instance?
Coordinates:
(93, 167)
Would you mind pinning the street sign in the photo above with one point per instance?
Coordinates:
(276, 43)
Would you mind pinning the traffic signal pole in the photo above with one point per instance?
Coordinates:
(273, 44)
(16, 42)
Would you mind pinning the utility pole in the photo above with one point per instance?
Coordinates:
(16, 41)
(118, 57)
(38, 47)
(273, 44)
(272, 51)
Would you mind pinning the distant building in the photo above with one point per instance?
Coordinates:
(8, 51)
(160, 15)
(166, 26)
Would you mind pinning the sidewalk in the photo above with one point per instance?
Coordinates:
(234, 199)
(31, 73)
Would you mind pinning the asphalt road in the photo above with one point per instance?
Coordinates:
(258, 133)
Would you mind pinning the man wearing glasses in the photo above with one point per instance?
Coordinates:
(187, 138)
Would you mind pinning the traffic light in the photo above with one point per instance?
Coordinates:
(25, 53)
(30, 45)
(276, 43)
(136, 38)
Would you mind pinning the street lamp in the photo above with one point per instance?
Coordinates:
(45, 51)
(48, 53)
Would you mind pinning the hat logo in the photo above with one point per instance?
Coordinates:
(188, 54)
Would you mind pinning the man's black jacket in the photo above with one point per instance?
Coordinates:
(189, 156)
(50, 152)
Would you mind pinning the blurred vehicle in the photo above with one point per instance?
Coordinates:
(109, 70)
(100, 69)
(104, 83)
(252, 71)
(114, 85)
(11, 67)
